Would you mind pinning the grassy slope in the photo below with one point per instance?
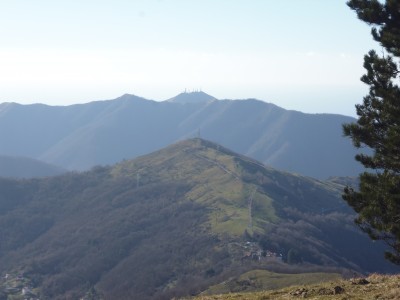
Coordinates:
(286, 207)
(379, 287)
(257, 280)
(217, 183)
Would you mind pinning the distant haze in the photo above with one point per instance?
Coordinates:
(303, 55)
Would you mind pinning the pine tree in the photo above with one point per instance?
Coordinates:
(377, 201)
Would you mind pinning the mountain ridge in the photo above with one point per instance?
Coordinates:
(24, 167)
(80, 136)
(192, 97)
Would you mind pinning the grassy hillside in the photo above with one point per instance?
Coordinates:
(216, 178)
(257, 280)
(370, 288)
(173, 223)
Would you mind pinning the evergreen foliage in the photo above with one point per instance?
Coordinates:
(293, 257)
(378, 199)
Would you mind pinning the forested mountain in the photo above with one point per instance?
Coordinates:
(78, 137)
(24, 167)
(173, 223)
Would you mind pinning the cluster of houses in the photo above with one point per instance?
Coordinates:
(17, 285)
(253, 251)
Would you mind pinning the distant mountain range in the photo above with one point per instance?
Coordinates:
(173, 223)
(24, 167)
(78, 137)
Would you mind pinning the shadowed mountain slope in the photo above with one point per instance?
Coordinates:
(172, 223)
(78, 137)
(24, 167)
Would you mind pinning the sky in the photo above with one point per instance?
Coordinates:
(304, 55)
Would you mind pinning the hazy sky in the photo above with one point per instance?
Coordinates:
(305, 55)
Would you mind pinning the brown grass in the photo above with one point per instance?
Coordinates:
(383, 287)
